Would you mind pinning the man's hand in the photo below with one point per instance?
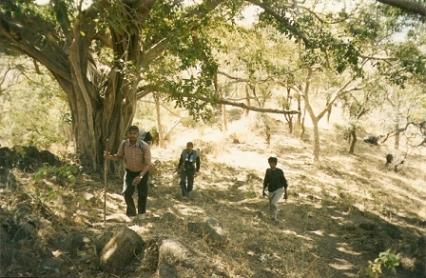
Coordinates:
(136, 180)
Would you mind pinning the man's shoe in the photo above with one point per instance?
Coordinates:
(140, 216)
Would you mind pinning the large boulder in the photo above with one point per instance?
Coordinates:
(118, 246)
(211, 230)
(7, 179)
(26, 158)
(8, 158)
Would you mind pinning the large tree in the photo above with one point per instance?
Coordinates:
(102, 54)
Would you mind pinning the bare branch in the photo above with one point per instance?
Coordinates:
(252, 108)
(338, 94)
(242, 79)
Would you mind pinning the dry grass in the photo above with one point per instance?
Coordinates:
(340, 213)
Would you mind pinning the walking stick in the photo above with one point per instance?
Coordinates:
(105, 179)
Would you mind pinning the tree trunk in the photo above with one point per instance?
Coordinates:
(316, 151)
(267, 129)
(329, 113)
(353, 139)
(219, 93)
(290, 125)
(159, 125)
(397, 121)
(397, 137)
(299, 108)
(289, 117)
(314, 119)
(97, 118)
(302, 124)
(92, 124)
(224, 119)
(267, 134)
(247, 100)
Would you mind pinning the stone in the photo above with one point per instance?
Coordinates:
(211, 230)
(175, 260)
(122, 245)
(368, 226)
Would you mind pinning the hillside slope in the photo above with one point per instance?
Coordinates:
(340, 214)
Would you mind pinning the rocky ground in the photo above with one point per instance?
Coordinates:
(339, 216)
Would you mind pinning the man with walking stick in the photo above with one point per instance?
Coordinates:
(136, 155)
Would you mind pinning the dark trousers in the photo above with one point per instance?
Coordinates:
(129, 189)
(186, 181)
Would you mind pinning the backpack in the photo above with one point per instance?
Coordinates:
(146, 137)
(141, 142)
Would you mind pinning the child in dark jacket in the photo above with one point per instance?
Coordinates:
(276, 184)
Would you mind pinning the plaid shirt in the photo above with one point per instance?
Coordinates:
(134, 158)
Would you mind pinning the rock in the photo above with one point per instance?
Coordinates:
(372, 140)
(420, 254)
(4, 235)
(6, 256)
(7, 157)
(27, 260)
(369, 226)
(25, 231)
(7, 179)
(167, 270)
(211, 230)
(175, 260)
(103, 239)
(52, 265)
(393, 231)
(169, 217)
(89, 196)
(26, 158)
(46, 231)
(349, 227)
(72, 242)
(151, 256)
(119, 249)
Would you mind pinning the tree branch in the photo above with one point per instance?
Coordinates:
(282, 20)
(158, 48)
(242, 80)
(145, 90)
(338, 94)
(410, 6)
(248, 107)
(50, 56)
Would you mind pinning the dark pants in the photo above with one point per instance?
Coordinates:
(186, 181)
(129, 189)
